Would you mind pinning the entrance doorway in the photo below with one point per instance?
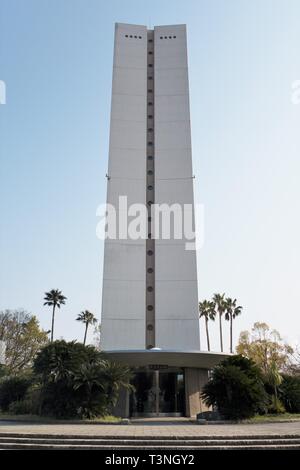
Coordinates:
(158, 393)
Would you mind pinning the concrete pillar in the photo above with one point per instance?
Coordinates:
(195, 379)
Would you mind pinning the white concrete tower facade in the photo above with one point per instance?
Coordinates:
(150, 295)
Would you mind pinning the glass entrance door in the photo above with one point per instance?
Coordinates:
(143, 398)
(171, 392)
(158, 393)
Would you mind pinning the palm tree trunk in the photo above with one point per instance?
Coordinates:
(207, 334)
(221, 334)
(231, 333)
(85, 333)
(52, 327)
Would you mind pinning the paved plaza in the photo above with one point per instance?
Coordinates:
(160, 428)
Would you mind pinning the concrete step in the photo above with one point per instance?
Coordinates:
(20, 441)
(12, 446)
(142, 442)
(150, 437)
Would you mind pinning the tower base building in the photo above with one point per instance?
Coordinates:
(166, 383)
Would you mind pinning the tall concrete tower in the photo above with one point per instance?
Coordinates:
(150, 302)
(150, 285)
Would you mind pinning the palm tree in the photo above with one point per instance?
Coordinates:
(274, 379)
(54, 298)
(207, 310)
(232, 311)
(100, 385)
(220, 308)
(116, 376)
(88, 318)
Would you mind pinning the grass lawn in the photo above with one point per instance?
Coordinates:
(273, 418)
(45, 419)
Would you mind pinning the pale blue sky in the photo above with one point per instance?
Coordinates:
(56, 60)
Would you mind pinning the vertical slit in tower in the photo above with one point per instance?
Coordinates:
(150, 163)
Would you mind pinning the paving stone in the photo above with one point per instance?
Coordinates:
(163, 428)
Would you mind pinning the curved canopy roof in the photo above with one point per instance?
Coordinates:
(171, 358)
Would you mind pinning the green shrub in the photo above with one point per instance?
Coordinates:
(236, 389)
(30, 404)
(60, 400)
(59, 359)
(13, 388)
(275, 406)
(77, 380)
(22, 407)
(3, 371)
(289, 393)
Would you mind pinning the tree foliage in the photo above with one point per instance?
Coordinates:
(54, 298)
(116, 376)
(289, 393)
(220, 308)
(236, 388)
(87, 318)
(265, 347)
(12, 389)
(207, 311)
(232, 311)
(23, 337)
(77, 380)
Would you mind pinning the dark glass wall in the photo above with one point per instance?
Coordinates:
(158, 392)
